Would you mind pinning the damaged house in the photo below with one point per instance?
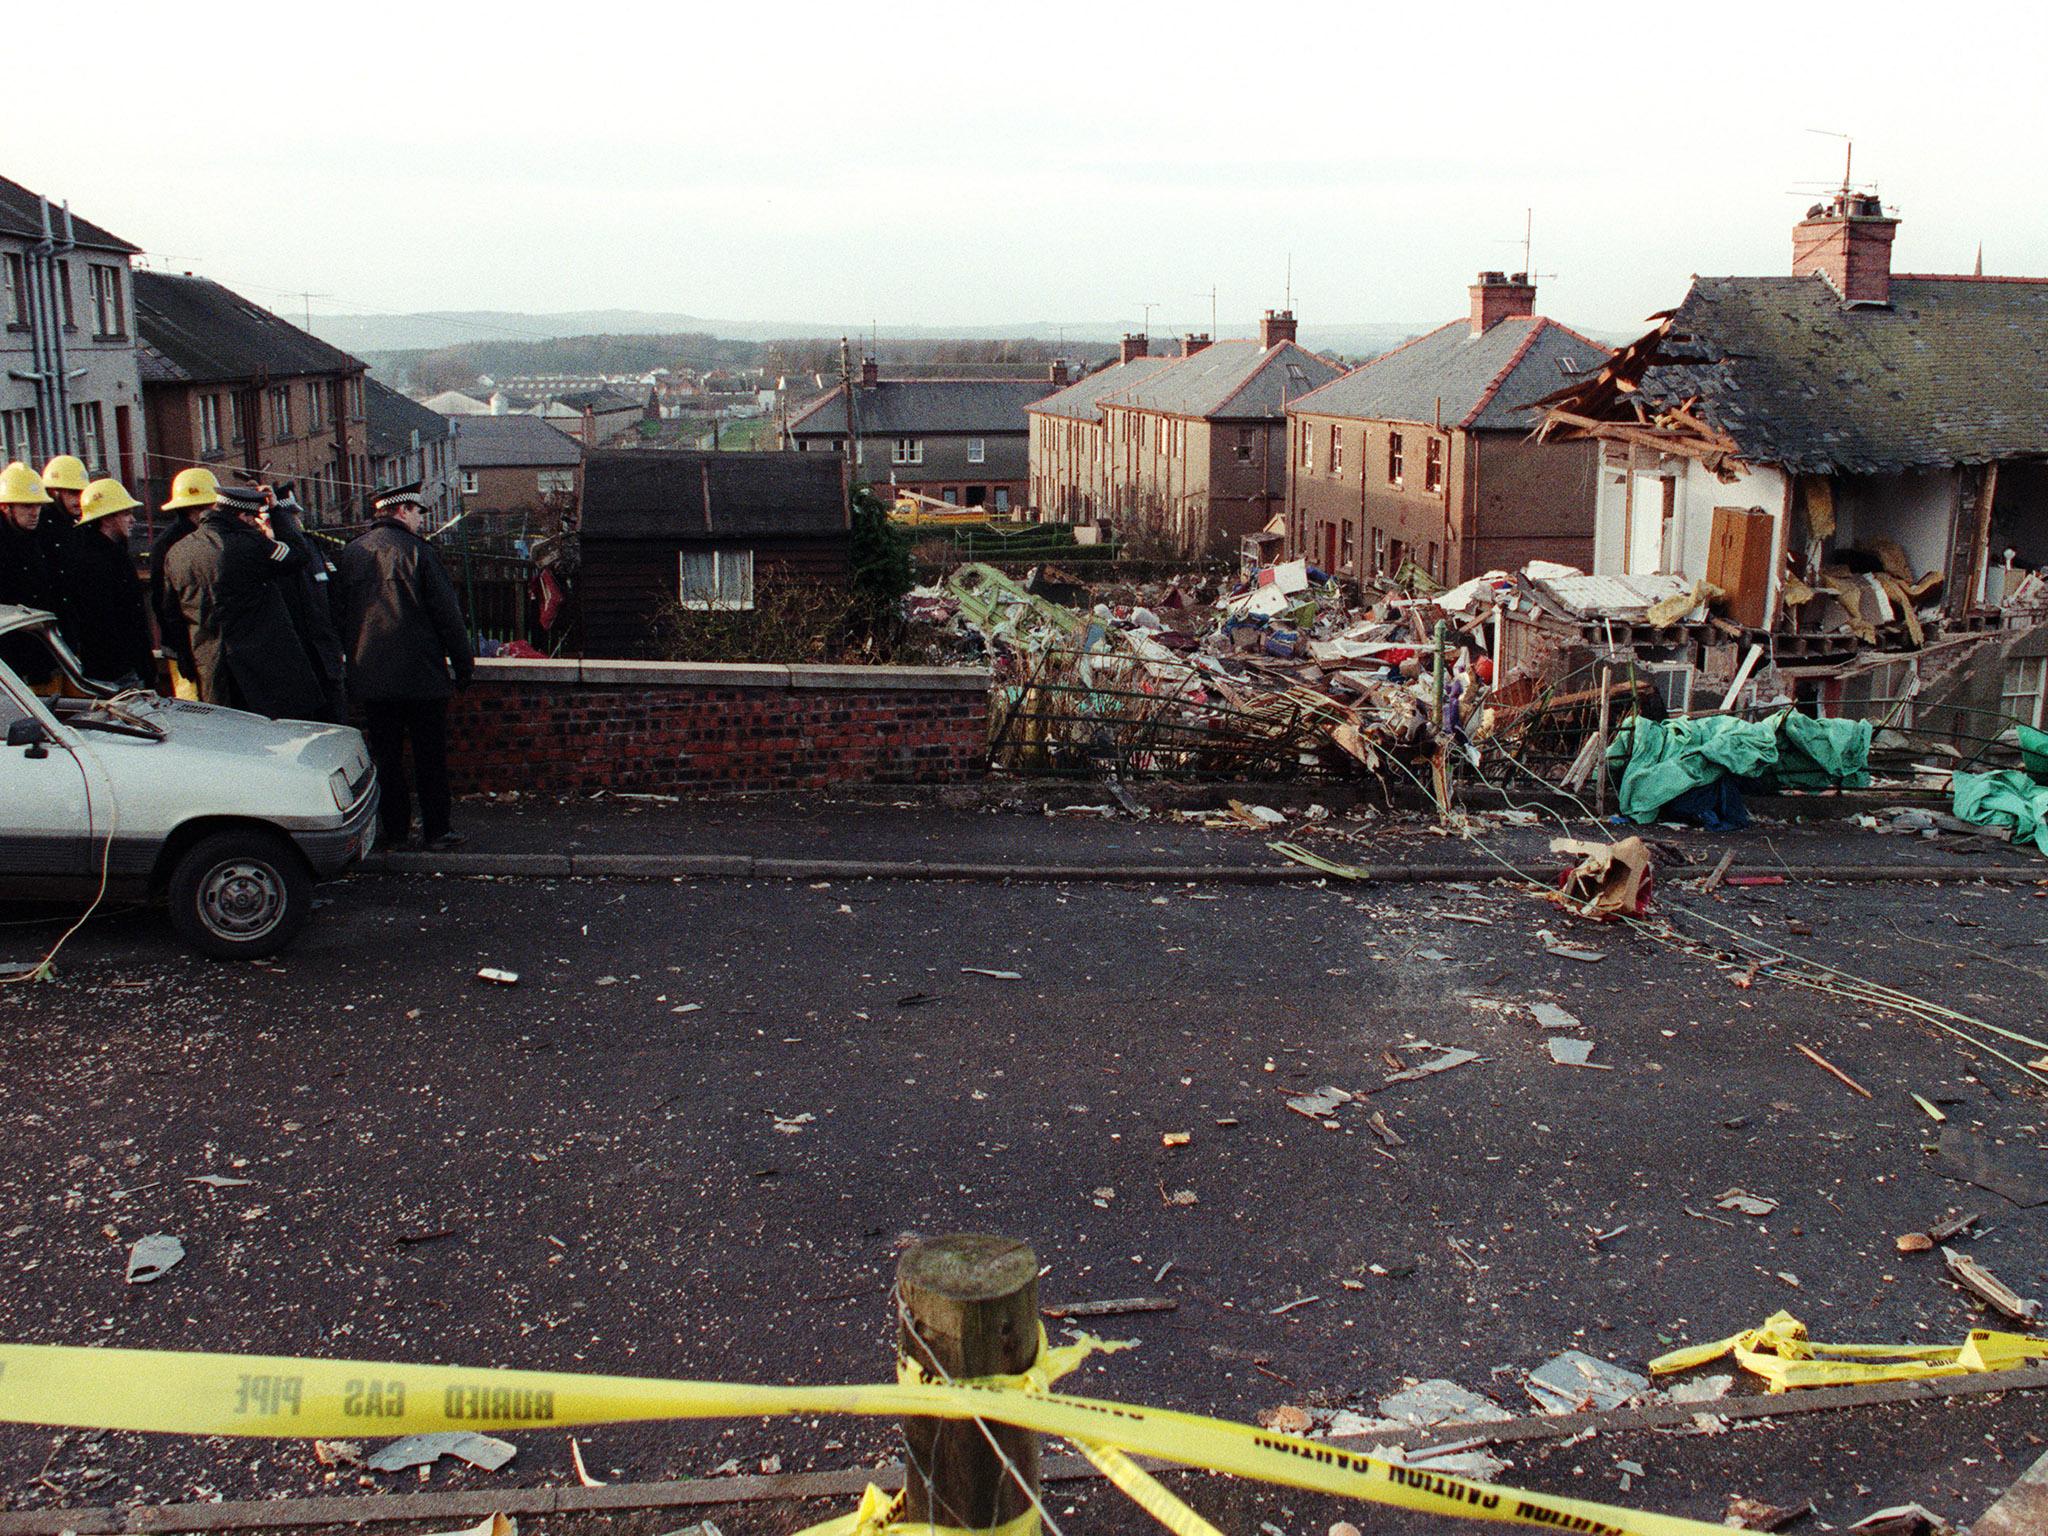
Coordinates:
(1857, 459)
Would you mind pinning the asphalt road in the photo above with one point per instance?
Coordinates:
(575, 1174)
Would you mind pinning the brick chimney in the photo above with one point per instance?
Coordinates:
(870, 372)
(1848, 241)
(1501, 296)
(1278, 326)
(1133, 345)
(1056, 375)
(1191, 343)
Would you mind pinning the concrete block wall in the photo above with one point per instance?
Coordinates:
(566, 727)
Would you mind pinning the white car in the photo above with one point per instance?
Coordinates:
(226, 815)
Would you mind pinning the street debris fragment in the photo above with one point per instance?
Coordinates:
(582, 1472)
(1444, 1061)
(502, 978)
(791, 1125)
(1913, 1242)
(1903, 1520)
(982, 970)
(2022, 1510)
(1175, 1138)
(1113, 1308)
(1321, 1104)
(1967, 1157)
(1610, 880)
(1742, 1200)
(338, 1453)
(1560, 948)
(217, 1181)
(1576, 1382)
(1427, 1404)
(486, 1452)
(1550, 1016)
(1988, 1288)
(1747, 1514)
(1828, 1066)
(152, 1257)
(1567, 1052)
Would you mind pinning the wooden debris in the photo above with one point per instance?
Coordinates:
(1116, 1307)
(1828, 1066)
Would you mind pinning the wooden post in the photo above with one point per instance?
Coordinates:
(968, 1306)
(1606, 717)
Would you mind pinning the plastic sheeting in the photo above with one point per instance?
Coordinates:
(2007, 798)
(1663, 760)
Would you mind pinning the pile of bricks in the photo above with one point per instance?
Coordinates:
(567, 727)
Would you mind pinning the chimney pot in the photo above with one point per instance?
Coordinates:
(1133, 345)
(1849, 242)
(1192, 343)
(1277, 326)
(870, 372)
(1057, 373)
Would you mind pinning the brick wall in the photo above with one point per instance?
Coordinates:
(564, 727)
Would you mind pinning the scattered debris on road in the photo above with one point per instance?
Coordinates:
(485, 1452)
(1988, 1288)
(153, 1257)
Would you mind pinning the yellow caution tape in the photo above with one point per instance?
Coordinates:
(1785, 1357)
(173, 1392)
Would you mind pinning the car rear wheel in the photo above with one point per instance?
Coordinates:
(240, 894)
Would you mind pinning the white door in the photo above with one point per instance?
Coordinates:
(1646, 524)
(45, 825)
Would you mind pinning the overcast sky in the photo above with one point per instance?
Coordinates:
(977, 164)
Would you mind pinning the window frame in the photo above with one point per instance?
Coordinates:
(89, 426)
(1397, 460)
(718, 602)
(278, 398)
(906, 450)
(977, 450)
(2008, 695)
(1433, 464)
(16, 283)
(106, 297)
(1308, 445)
(209, 425)
(470, 483)
(1336, 449)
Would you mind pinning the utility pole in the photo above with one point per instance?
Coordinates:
(852, 428)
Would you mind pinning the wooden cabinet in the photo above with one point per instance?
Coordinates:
(1740, 551)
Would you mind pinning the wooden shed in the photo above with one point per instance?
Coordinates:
(709, 529)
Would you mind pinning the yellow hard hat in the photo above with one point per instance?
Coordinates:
(194, 487)
(64, 473)
(21, 486)
(103, 498)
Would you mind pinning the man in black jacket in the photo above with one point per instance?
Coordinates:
(64, 480)
(225, 575)
(308, 597)
(25, 572)
(112, 639)
(408, 650)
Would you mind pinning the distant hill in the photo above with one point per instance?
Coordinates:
(362, 334)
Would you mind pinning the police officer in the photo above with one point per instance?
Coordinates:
(64, 478)
(408, 651)
(112, 641)
(25, 573)
(192, 492)
(225, 575)
(309, 597)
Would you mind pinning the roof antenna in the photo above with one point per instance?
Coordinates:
(1848, 153)
(1148, 308)
(1290, 282)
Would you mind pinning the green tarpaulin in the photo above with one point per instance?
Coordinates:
(2007, 798)
(1659, 760)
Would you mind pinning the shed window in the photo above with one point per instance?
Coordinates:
(717, 578)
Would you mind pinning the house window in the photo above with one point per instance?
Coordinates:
(557, 482)
(316, 407)
(907, 450)
(469, 482)
(355, 396)
(952, 495)
(107, 312)
(1883, 695)
(1336, 449)
(209, 423)
(1246, 444)
(721, 579)
(17, 291)
(1394, 463)
(64, 293)
(977, 450)
(89, 426)
(1348, 553)
(1433, 465)
(234, 418)
(1379, 552)
(1308, 446)
(1002, 498)
(2019, 695)
(18, 433)
(280, 413)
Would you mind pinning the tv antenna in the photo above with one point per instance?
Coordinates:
(1211, 297)
(307, 299)
(1848, 152)
(1148, 308)
(1528, 245)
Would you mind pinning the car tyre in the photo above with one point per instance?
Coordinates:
(240, 894)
